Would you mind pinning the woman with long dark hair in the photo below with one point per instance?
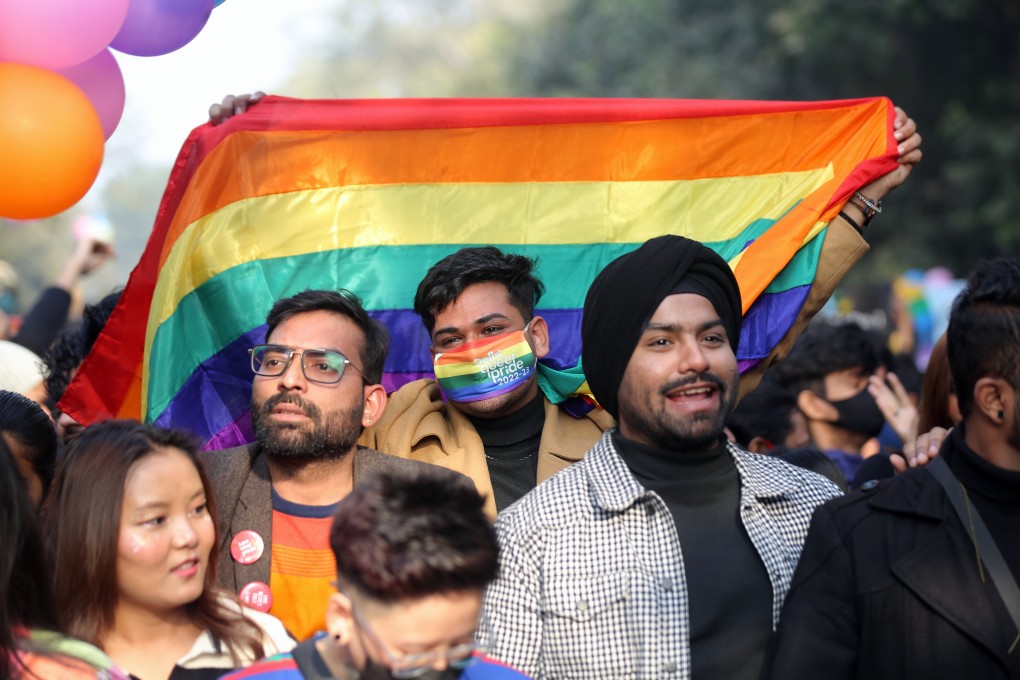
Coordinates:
(133, 532)
(30, 647)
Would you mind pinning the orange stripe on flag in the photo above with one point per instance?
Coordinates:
(720, 147)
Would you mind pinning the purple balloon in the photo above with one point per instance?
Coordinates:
(155, 27)
(101, 81)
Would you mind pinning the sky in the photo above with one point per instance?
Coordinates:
(246, 45)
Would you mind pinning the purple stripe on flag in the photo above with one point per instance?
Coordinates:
(767, 321)
(237, 433)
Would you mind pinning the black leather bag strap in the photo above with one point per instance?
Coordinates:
(1002, 577)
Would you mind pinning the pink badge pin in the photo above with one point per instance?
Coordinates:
(247, 547)
(257, 596)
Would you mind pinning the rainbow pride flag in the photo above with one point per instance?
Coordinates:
(367, 195)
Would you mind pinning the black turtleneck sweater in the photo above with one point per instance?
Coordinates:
(728, 588)
(995, 493)
(511, 450)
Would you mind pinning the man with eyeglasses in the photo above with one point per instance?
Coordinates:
(316, 386)
(414, 552)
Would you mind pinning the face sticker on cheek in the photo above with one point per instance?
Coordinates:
(136, 541)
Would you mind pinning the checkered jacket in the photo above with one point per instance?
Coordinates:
(592, 583)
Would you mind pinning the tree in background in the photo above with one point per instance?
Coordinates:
(953, 64)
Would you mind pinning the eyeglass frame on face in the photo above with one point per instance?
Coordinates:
(415, 665)
(290, 352)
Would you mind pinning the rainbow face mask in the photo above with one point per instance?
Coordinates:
(485, 368)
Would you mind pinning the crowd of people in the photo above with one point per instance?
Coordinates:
(844, 520)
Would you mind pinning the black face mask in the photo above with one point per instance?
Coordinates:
(374, 670)
(860, 414)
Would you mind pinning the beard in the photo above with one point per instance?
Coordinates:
(678, 432)
(321, 438)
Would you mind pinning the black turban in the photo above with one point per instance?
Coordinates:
(625, 295)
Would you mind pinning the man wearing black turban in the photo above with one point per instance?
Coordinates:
(666, 552)
(624, 296)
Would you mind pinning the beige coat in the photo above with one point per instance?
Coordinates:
(417, 424)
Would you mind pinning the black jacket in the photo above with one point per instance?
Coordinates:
(888, 587)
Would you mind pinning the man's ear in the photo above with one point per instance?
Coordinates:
(375, 404)
(539, 332)
(993, 397)
(339, 618)
(815, 407)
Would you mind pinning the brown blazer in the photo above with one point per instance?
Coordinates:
(419, 425)
(242, 493)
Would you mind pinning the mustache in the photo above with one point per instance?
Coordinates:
(690, 380)
(310, 410)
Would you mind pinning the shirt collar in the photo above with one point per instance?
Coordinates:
(205, 644)
(616, 490)
(759, 476)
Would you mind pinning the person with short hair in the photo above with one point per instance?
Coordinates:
(829, 370)
(316, 386)
(132, 531)
(767, 418)
(914, 577)
(485, 415)
(414, 552)
(667, 551)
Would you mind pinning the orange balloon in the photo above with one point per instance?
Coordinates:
(51, 142)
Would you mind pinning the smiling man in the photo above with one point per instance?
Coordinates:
(316, 386)
(485, 415)
(666, 552)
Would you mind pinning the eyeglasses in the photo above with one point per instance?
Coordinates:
(319, 365)
(416, 665)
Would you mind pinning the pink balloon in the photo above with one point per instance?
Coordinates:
(57, 33)
(155, 27)
(101, 81)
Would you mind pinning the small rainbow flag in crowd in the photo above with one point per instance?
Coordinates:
(367, 195)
